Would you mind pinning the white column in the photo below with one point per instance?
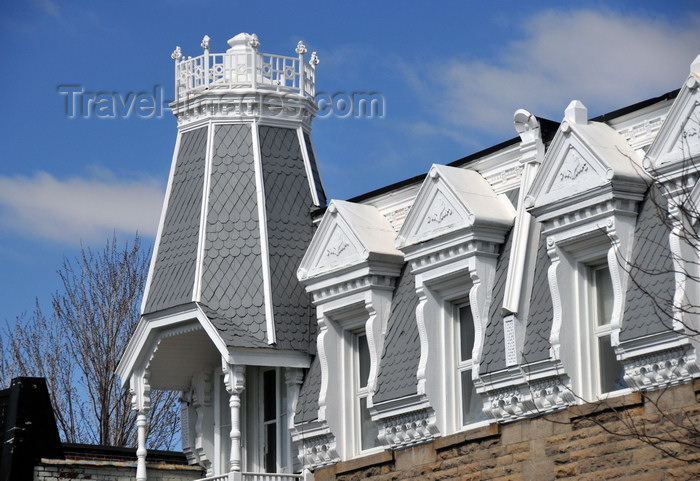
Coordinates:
(234, 378)
(141, 404)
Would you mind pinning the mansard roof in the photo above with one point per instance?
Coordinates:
(210, 248)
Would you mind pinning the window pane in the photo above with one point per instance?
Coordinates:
(604, 295)
(271, 448)
(269, 397)
(611, 371)
(472, 408)
(368, 429)
(364, 361)
(466, 333)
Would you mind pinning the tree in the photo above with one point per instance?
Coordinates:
(77, 348)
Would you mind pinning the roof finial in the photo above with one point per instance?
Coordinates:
(177, 53)
(301, 48)
(576, 113)
(314, 59)
(205, 42)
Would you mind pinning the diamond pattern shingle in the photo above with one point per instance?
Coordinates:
(539, 325)
(289, 230)
(399, 362)
(232, 282)
(307, 406)
(174, 269)
(651, 283)
(493, 355)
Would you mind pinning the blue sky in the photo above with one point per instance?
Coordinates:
(451, 74)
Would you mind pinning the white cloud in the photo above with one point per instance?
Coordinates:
(604, 59)
(86, 209)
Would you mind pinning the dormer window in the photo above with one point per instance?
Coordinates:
(451, 238)
(585, 196)
(350, 269)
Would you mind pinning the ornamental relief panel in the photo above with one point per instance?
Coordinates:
(439, 216)
(573, 171)
(688, 142)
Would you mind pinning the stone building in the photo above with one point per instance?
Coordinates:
(514, 314)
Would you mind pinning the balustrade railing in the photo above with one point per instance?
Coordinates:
(254, 477)
(245, 68)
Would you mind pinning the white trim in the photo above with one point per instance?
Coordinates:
(161, 223)
(262, 224)
(307, 165)
(201, 242)
(134, 349)
(267, 357)
(531, 156)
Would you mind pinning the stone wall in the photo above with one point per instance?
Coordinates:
(589, 442)
(62, 470)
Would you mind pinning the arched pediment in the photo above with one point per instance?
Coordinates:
(349, 235)
(585, 163)
(454, 200)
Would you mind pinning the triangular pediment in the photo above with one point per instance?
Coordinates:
(679, 136)
(570, 168)
(449, 200)
(348, 235)
(584, 156)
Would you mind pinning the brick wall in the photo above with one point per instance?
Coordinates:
(60, 470)
(587, 442)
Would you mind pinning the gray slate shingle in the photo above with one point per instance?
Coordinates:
(289, 231)
(174, 270)
(493, 356)
(307, 406)
(232, 282)
(651, 283)
(399, 362)
(539, 324)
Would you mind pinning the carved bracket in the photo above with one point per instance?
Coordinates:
(662, 369)
(523, 400)
(408, 429)
(318, 451)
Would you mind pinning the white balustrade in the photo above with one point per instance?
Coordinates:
(255, 477)
(245, 68)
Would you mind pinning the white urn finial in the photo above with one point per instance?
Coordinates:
(177, 53)
(314, 59)
(205, 42)
(301, 48)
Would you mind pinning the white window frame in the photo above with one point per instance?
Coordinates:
(591, 331)
(464, 366)
(254, 422)
(359, 393)
(575, 261)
